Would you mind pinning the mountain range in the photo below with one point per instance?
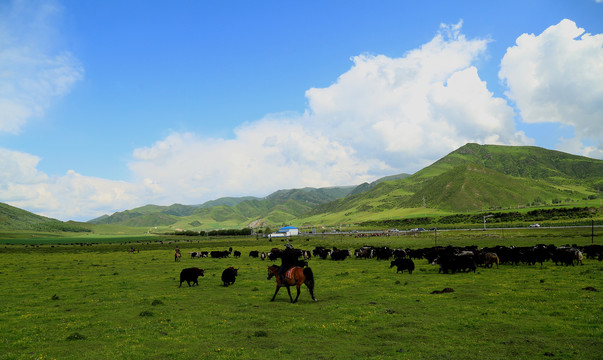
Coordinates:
(472, 178)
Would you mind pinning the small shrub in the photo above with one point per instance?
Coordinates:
(55, 297)
(260, 333)
(157, 302)
(145, 313)
(76, 336)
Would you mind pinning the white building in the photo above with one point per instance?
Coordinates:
(285, 231)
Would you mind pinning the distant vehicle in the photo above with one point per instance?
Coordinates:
(535, 225)
(421, 229)
(433, 229)
(417, 229)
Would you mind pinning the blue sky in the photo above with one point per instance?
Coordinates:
(110, 105)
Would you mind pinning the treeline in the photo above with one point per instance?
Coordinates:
(222, 232)
(493, 217)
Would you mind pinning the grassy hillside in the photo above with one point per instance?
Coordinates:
(367, 186)
(279, 207)
(477, 177)
(12, 218)
(529, 162)
(228, 201)
(473, 187)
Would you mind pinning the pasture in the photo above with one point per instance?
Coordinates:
(101, 302)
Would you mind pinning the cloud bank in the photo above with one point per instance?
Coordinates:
(381, 117)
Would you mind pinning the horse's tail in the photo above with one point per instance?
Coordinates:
(309, 277)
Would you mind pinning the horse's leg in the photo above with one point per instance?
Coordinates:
(296, 297)
(311, 291)
(275, 292)
(289, 292)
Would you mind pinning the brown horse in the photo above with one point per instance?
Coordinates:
(297, 277)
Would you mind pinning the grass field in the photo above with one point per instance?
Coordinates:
(101, 302)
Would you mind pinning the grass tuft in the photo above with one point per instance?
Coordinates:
(76, 336)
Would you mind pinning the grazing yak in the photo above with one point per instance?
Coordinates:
(219, 254)
(403, 264)
(191, 274)
(491, 258)
(455, 263)
(229, 275)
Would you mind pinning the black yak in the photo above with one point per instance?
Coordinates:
(229, 275)
(403, 264)
(191, 274)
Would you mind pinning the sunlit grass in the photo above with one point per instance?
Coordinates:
(101, 302)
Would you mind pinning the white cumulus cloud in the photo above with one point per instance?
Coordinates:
(411, 110)
(557, 77)
(383, 116)
(71, 196)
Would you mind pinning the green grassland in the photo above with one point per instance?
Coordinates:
(101, 302)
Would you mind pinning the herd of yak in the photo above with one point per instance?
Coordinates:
(451, 259)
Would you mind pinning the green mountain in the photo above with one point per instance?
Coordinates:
(12, 218)
(476, 177)
(471, 178)
(279, 207)
(227, 201)
(529, 162)
(364, 187)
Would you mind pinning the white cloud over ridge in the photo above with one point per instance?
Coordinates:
(71, 196)
(557, 77)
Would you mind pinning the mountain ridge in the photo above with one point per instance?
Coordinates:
(471, 178)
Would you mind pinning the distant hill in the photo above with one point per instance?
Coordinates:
(476, 177)
(227, 201)
(529, 162)
(367, 186)
(471, 178)
(279, 207)
(13, 218)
